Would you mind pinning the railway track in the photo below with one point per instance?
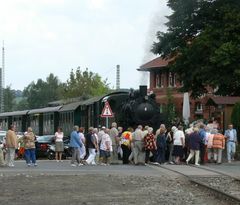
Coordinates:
(219, 183)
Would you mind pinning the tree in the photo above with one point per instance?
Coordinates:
(41, 93)
(9, 97)
(85, 83)
(169, 109)
(236, 116)
(203, 40)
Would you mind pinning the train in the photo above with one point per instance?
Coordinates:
(129, 107)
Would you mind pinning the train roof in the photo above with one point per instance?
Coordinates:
(45, 109)
(70, 106)
(14, 113)
(75, 105)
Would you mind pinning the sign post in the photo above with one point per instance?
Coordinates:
(107, 112)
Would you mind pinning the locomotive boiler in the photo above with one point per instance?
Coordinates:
(141, 109)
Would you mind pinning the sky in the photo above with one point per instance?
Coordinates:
(54, 36)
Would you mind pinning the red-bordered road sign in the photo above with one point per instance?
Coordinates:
(107, 111)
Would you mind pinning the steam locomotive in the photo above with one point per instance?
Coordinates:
(130, 108)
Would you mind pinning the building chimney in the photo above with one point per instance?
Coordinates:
(143, 90)
(118, 77)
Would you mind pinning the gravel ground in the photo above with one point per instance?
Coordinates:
(226, 184)
(101, 189)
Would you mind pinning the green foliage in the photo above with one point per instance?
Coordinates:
(40, 93)
(236, 116)
(9, 96)
(85, 83)
(169, 109)
(203, 38)
(22, 104)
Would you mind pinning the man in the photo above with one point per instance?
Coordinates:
(75, 144)
(114, 138)
(202, 133)
(11, 145)
(138, 148)
(231, 135)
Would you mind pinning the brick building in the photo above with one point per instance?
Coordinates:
(162, 82)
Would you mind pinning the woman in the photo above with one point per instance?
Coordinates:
(105, 148)
(59, 144)
(178, 143)
(83, 148)
(150, 145)
(126, 140)
(161, 146)
(29, 145)
(169, 147)
(194, 145)
(92, 147)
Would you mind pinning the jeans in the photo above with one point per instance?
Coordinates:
(231, 149)
(91, 157)
(30, 156)
(10, 156)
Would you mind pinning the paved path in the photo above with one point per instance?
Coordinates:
(64, 168)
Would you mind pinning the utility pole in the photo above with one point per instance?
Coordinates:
(2, 80)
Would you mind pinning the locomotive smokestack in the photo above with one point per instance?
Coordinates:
(118, 78)
(143, 90)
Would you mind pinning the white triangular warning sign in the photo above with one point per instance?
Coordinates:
(107, 111)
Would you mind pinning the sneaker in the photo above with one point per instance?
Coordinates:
(171, 162)
(35, 164)
(80, 164)
(197, 164)
(29, 165)
(57, 160)
(11, 165)
(73, 165)
(186, 162)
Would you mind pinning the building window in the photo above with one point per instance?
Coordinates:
(199, 108)
(159, 80)
(171, 79)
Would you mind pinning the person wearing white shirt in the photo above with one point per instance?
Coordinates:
(105, 147)
(178, 143)
(59, 144)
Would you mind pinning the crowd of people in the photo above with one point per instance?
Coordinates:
(142, 145)
(197, 144)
